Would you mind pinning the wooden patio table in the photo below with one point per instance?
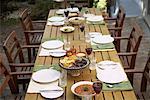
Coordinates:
(77, 39)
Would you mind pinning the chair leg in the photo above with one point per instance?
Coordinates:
(13, 85)
(130, 77)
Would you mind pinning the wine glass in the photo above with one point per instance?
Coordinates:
(88, 51)
(66, 12)
(97, 86)
(80, 8)
(72, 4)
(82, 28)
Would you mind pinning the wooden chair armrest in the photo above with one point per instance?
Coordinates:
(29, 46)
(21, 73)
(133, 71)
(120, 38)
(22, 65)
(34, 31)
(115, 28)
(127, 53)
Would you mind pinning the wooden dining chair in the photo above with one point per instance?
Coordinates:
(115, 26)
(145, 79)
(6, 78)
(33, 36)
(16, 58)
(128, 56)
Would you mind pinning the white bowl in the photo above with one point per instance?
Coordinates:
(78, 84)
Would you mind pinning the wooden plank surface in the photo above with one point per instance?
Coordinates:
(77, 39)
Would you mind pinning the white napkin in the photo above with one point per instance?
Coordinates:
(35, 87)
(46, 52)
(55, 23)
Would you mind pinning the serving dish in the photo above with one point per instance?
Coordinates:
(74, 65)
(76, 20)
(67, 29)
(83, 88)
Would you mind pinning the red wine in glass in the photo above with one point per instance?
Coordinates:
(66, 13)
(72, 4)
(97, 86)
(82, 28)
(80, 8)
(88, 50)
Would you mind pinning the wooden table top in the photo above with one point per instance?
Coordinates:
(77, 39)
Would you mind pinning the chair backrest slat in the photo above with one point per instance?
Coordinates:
(12, 49)
(135, 38)
(26, 20)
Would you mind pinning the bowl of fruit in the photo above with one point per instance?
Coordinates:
(73, 63)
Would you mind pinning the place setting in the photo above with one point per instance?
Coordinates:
(56, 21)
(113, 76)
(52, 48)
(102, 43)
(49, 83)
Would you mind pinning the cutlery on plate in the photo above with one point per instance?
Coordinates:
(57, 52)
(50, 90)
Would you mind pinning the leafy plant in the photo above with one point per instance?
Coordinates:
(41, 9)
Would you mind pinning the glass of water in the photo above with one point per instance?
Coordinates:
(93, 64)
(66, 45)
(87, 38)
(63, 78)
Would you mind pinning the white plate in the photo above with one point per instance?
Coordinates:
(60, 11)
(53, 94)
(73, 9)
(52, 44)
(56, 19)
(95, 34)
(103, 39)
(95, 19)
(111, 75)
(46, 75)
(88, 15)
(104, 65)
(78, 84)
(58, 23)
(67, 29)
(58, 53)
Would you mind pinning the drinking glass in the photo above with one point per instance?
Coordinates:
(80, 8)
(97, 86)
(66, 45)
(72, 4)
(92, 65)
(63, 78)
(88, 51)
(82, 28)
(66, 13)
(87, 38)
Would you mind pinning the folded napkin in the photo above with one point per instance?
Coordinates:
(53, 66)
(125, 85)
(103, 47)
(35, 87)
(44, 52)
